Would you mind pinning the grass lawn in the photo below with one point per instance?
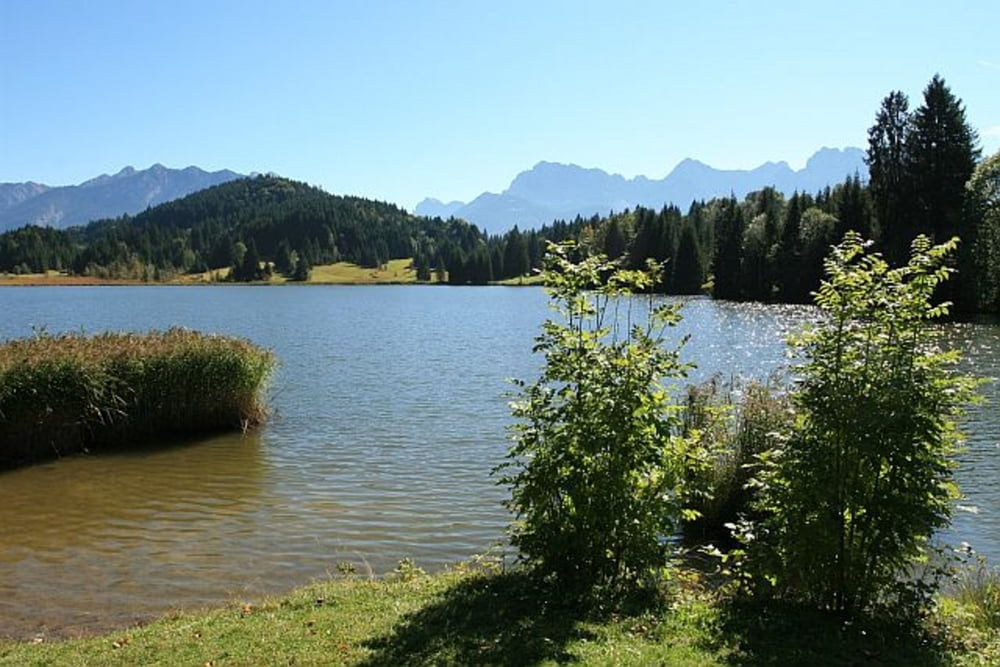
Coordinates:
(527, 281)
(396, 271)
(56, 278)
(467, 617)
(345, 273)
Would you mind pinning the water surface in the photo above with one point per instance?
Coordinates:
(389, 413)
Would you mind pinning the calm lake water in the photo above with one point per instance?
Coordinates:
(389, 413)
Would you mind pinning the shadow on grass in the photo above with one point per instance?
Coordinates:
(507, 619)
(783, 634)
(502, 619)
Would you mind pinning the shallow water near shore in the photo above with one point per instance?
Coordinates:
(388, 415)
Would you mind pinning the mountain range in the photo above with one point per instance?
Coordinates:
(552, 191)
(548, 191)
(127, 192)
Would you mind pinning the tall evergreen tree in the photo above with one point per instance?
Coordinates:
(888, 173)
(250, 268)
(496, 253)
(516, 260)
(704, 232)
(643, 240)
(789, 256)
(727, 257)
(283, 261)
(688, 270)
(422, 267)
(440, 269)
(943, 154)
(614, 240)
(301, 271)
(853, 208)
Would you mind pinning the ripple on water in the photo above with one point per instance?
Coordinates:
(389, 413)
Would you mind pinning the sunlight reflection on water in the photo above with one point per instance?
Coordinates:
(389, 413)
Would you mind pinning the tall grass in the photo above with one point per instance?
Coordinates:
(62, 394)
(738, 421)
(977, 587)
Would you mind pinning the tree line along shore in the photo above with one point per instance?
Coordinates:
(812, 508)
(926, 176)
(824, 560)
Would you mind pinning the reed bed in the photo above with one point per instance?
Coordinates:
(68, 393)
(739, 420)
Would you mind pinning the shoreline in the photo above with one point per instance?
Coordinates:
(101, 282)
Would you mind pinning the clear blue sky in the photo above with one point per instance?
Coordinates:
(398, 100)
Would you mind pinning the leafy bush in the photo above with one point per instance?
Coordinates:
(598, 469)
(865, 478)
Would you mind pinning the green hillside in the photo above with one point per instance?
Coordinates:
(236, 225)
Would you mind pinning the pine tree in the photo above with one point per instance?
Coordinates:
(727, 258)
(853, 208)
(422, 267)
(283, 262)
(614, 240)
(888, 172)
(943, 154)
(440, 269)
(250, 270)
(302, 270)
(689, 273)
(790, 280)
(643, 240)
(516, 261)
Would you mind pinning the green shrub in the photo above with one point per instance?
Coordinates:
(865, 478)
(598, 470)
(62, 394)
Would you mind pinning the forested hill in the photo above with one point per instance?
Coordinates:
(239, 224)
(926, 177)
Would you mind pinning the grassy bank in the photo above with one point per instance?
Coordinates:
(57, 279)
(396, 271)
(393, 272)
(470, 617)
(62, 394)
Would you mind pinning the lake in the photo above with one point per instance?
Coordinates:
(389, 412)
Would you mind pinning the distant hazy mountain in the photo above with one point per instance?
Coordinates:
(435, 208)
(12, 194)
(129, 191)
(551, 191)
